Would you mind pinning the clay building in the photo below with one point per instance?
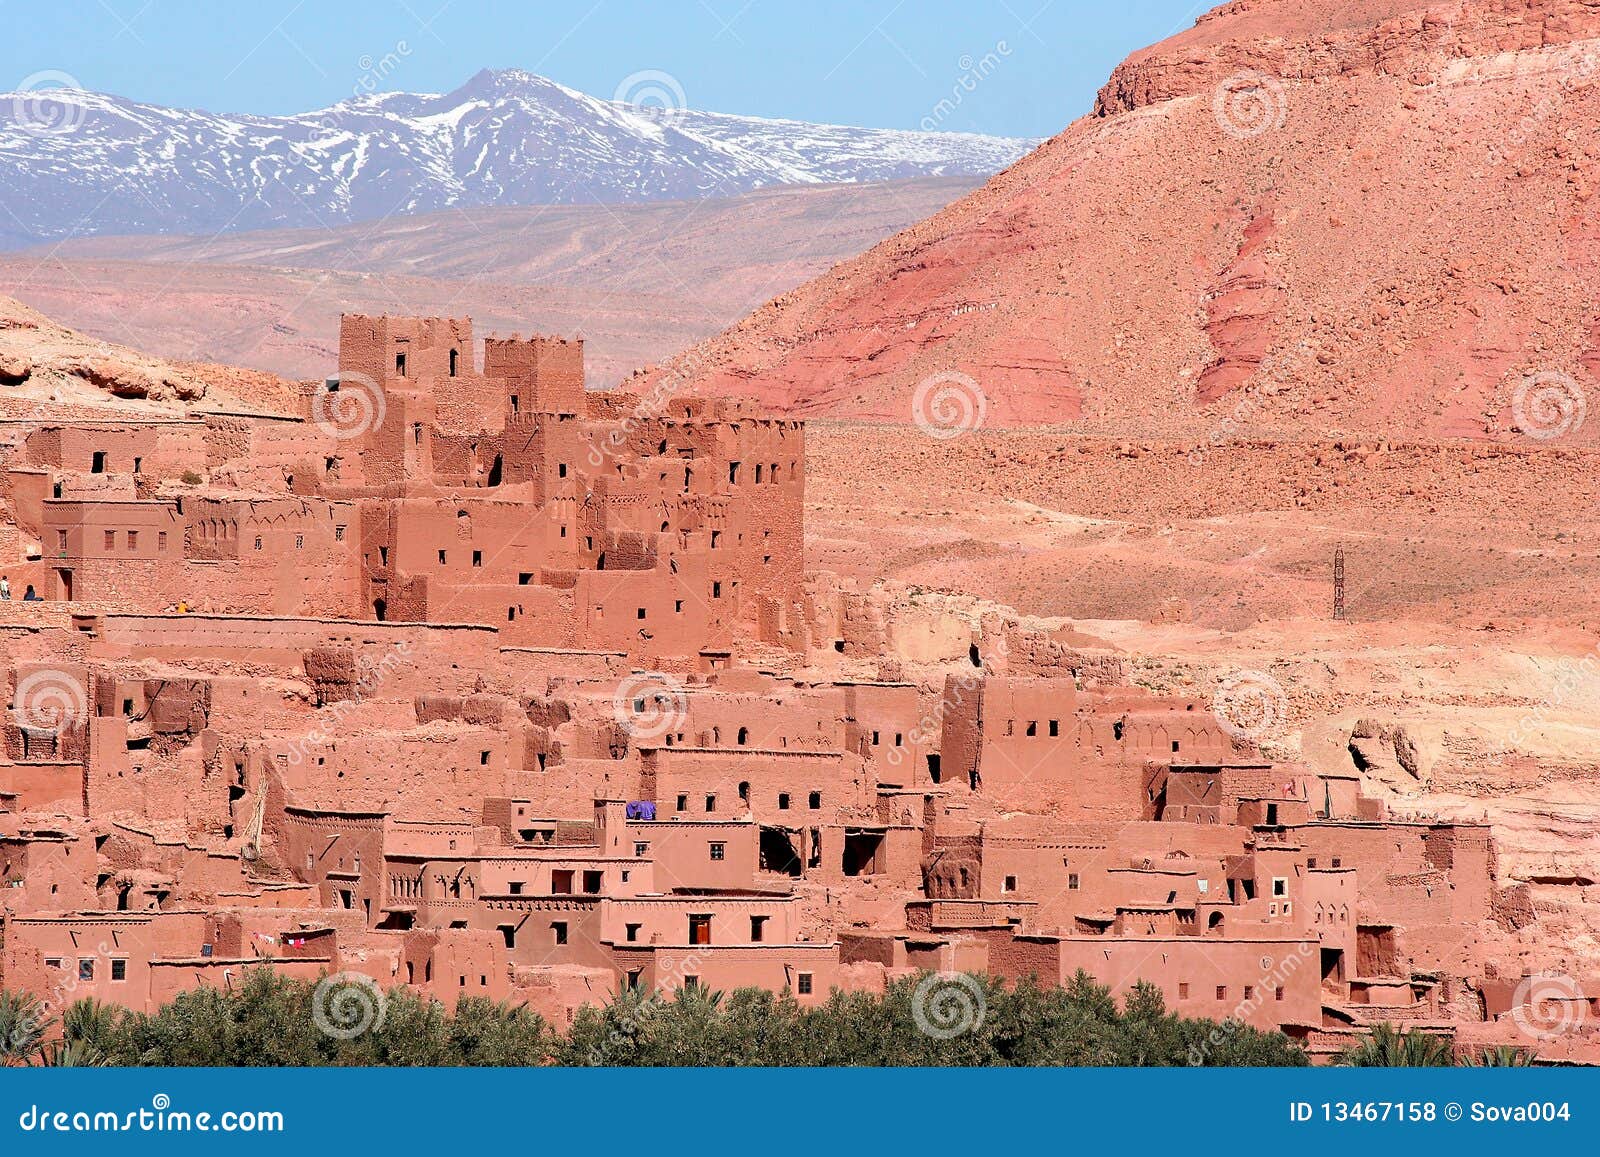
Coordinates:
(471, 679)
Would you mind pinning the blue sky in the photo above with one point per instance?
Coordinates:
(866, 62)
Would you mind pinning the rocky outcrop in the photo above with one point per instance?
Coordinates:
(1296, 40)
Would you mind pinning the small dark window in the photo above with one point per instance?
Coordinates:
(455, 356)
(400, 364)
(119, 970)
(802, 983)
(558, 930)
(815, 800)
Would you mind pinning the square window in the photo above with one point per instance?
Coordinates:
(86, 969)
(719, 851)
(641, 850)
(802, 983)
(631, 931)
(1010, 884)
(119, 970)
(1280, 886)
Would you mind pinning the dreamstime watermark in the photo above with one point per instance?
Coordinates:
(373, 676)
(1571, 675)
(50, 700)
(160, 1117)
(956, 689)
(78, 970)
(949, 404)
(346, 1005)
(1545, 108)
(1276, 972)
(1272, 375)
(650, 705)
(348, 405)
(375, 71)
(1549, 405)
(39, 104)
(947, 1004)
(1250, 103)
(1250, 705)
(635, 1020)
(651, 405)
(657, 94)
(1547, 1005)
(972, 74)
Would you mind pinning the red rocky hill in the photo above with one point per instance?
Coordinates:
(1294, 219)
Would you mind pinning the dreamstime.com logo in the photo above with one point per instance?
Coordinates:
(1250, 103)
(348, 405)
(347, 1004)
(1547, 1005)
(1250, 705)
(160, 1117)
(653, 92)
(50, 700)
(947, 1004)
(38, 107)
(1548, 406)
(650, 704)
(949, 404)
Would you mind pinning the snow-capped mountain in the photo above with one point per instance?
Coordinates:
(75, 163)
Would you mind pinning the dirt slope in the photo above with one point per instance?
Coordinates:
(1296, 219)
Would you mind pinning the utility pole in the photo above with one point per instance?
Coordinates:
(1338, 582)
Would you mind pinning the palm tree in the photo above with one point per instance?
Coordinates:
(1499, 1057)
(91, 1022)
(1391, 1047)
(64, 1054)
(22, 1027)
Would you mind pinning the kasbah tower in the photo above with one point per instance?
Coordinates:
(470, 679)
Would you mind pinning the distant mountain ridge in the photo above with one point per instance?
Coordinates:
(75, 163)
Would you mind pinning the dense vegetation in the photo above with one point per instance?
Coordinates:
(270, 1021)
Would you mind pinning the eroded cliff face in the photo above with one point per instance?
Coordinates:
(1371, 218)
(1295, 41)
